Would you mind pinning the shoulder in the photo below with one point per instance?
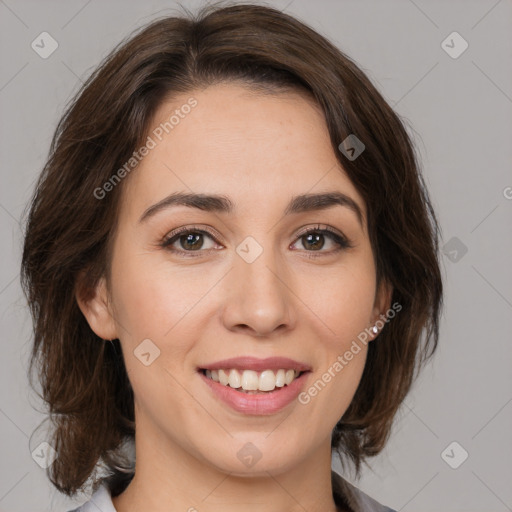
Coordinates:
(348, 495)
(100, 500)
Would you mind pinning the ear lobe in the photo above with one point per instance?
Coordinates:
(95, 306)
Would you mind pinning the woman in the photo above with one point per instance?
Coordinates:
(232, 264)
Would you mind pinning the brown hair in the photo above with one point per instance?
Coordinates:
(83, 378)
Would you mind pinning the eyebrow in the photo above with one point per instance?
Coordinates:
(222, 204)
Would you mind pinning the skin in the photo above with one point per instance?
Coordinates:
(259, 150)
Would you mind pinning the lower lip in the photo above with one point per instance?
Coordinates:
(259, 404)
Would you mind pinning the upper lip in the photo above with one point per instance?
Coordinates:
(258, 365)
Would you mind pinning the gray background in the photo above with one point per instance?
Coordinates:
(460, 113)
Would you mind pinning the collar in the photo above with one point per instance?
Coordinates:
(349, 497)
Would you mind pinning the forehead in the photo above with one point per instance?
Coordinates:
(254, 147)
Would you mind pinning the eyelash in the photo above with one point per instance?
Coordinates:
(340, 240)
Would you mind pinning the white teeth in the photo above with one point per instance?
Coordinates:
(249, 380)
(234, 379)
(223, 377)
(290, 375)
(267, 380)
(280, 378)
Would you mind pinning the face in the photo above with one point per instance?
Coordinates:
(255, 272)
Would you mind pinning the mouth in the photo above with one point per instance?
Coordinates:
(257, 387)
(256, 402)
(252, 382)
(252, 375)
(253, 386)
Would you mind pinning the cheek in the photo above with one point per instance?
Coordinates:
(151, 297)
(343, 302)
(153, 304)
(330, 392)
(342, 307)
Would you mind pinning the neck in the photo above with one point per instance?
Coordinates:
(173, 480)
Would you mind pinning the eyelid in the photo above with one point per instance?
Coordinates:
(193, 228)
(339, 238)
(321, 228)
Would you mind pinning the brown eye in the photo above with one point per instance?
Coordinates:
(317, 239)
(192, 241)
(314, 241)
(189, 240)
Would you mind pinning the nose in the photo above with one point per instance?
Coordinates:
(259, 301)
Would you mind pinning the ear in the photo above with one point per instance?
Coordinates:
(382, 304)
(96, 307)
